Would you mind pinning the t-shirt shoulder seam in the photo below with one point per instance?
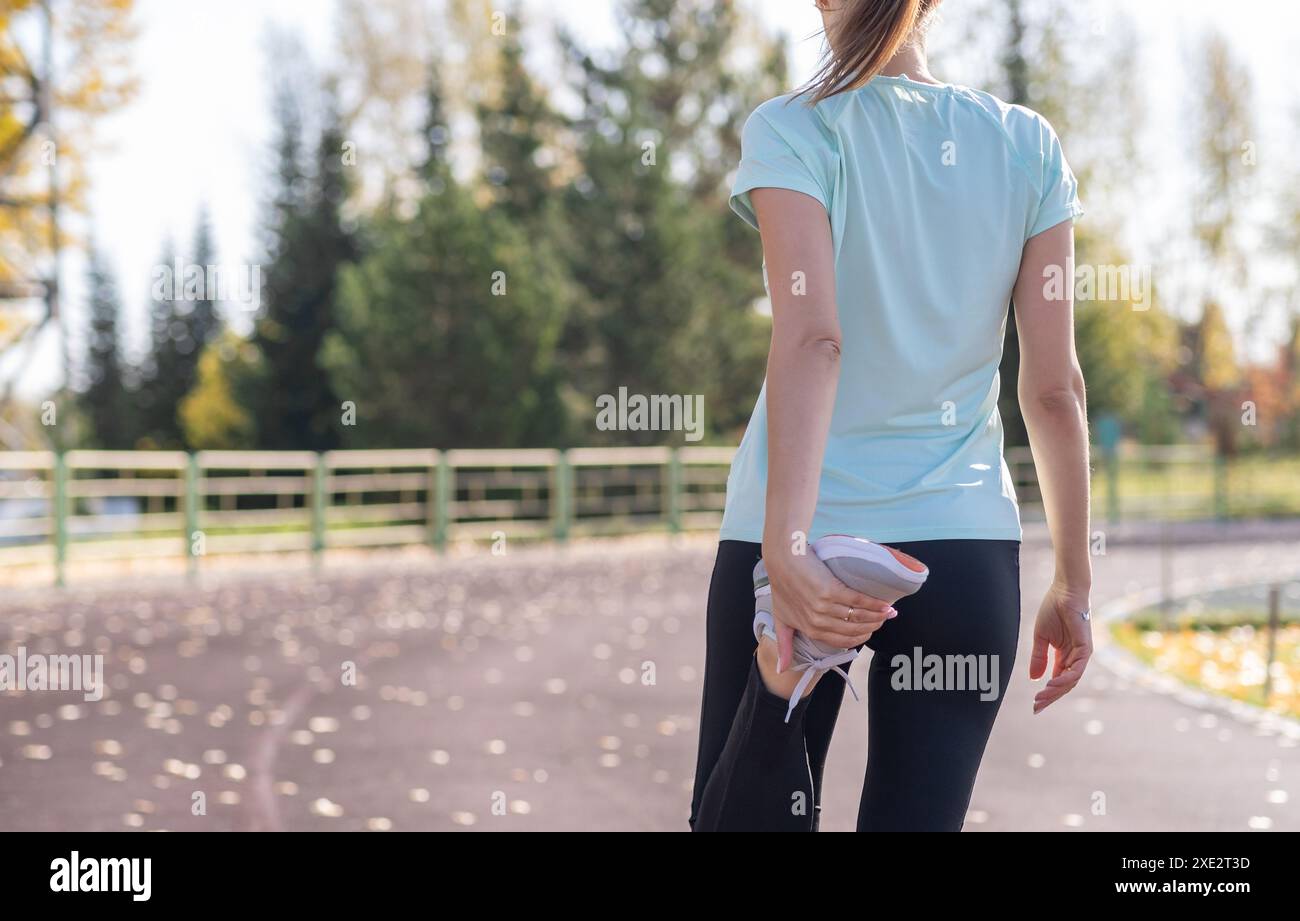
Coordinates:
(970, 96)
(825, 132)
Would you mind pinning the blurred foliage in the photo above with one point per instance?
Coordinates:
(474, 260)
(92, 39)
(213, 413)
(310, 242)
(183, 319)
(669, 275)
(86, 44)
(387, 44)
(102, 397)
(1230, 655)
(447, 328)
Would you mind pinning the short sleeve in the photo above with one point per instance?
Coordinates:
(1059, 200)
(778, 158)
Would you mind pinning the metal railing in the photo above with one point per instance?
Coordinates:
(100, 505)
(96, 505)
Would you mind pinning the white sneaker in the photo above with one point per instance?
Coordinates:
(863, 566)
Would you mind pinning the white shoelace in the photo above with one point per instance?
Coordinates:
(809, 659)
(812, 665)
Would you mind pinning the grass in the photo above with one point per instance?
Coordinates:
(1265, 486)
(1225, 653)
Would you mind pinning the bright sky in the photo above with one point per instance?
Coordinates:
(198, 131)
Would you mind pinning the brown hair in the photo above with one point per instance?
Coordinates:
(867, 34)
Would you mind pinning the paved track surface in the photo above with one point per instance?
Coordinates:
(553, 689)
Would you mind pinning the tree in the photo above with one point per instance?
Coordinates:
(1225, 160)
(387, 46)
(102, 398)
(669, 276)
(212, 415)
(1083, 97)
(310, 241)
(1288, 428)
(162, 380)
(447, 329)
(1220, 376)
(42, 170)
(202, 322)
(183, 320)
(514, 125)
(390, 47)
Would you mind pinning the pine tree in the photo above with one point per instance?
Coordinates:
(202, 322)
(103, 397)
(512, 131)
(183, 320)
(668, 275)
(435, 167)
(447, 330)
(298, 408)
(162, 372)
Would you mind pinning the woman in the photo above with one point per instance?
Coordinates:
(899, 216)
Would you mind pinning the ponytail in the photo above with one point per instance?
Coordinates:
(867, 34)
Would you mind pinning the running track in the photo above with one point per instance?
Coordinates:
(508, 693)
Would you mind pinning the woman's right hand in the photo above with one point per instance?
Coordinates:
(807, 597)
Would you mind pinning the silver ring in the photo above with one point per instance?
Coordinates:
(1087, 615)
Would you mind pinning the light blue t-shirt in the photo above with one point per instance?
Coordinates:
(932, 192)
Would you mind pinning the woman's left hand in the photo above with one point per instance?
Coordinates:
(1061, 626)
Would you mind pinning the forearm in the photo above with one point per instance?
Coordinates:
(803, 364)
(801, 381)
(1057, 424)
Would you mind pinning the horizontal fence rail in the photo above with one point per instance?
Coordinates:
(61, 509)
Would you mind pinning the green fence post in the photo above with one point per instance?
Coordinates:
(318, 502)
(674, 487)
(431, 501)
(1112, 485)
(1220, 487)
(60, 517)
(192, 512)
(1110, 431)
(562, 508)
(443, 478)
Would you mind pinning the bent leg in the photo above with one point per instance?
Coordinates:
(732, 702)
(762, 781)
(729, 654)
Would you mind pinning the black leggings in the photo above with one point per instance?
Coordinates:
(929, 713)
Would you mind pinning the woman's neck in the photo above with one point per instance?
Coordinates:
(909, 61)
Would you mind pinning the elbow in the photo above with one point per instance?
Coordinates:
(826, 346)
(1065, 396)
(1051, 388)
(808, 344)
